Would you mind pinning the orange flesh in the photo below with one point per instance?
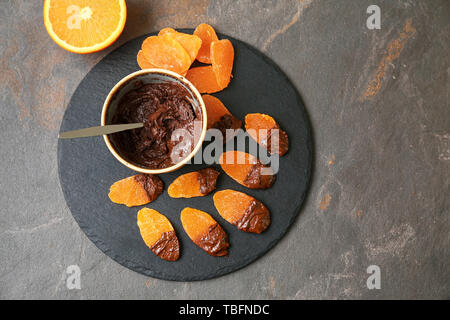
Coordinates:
(196, 223)
(237, 164)
(204, 79)
(231, 204)
(83, 26)
(215, 109)
(222, 58)
(208, 35)
(152, 225)
(185, 186)
(128, 192)
(166, 53)
(189, 42)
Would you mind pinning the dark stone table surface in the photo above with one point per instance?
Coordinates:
(378, 101)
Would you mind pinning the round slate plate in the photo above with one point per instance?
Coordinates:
(87, 170)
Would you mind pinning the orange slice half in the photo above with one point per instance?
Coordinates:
(82, 26)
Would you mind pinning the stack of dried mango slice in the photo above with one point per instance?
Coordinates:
(177, 51)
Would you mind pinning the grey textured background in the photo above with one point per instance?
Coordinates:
(379, 106)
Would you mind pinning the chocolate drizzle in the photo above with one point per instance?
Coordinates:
(163, 108)
(153, 185)
(255, 179)
(256, 218)
(207, 179)
(215, 241)
(167, 247)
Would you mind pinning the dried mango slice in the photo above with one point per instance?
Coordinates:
(222, 58)
(205, 232)
(166, 53)
(189, 42)
(136, 190)
(194, 184)
(142, 61)
(247, 170)
(144, 64)
(204, 79)
(218, 115)
(242, 210)
(264, 130)
(208, 35)
(167, 30)
(158, 234)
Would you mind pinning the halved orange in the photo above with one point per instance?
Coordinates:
(84, 26)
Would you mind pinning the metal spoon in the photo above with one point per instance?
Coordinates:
(102, 130)
(99, 131)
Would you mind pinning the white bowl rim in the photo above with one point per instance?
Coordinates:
(170, 74)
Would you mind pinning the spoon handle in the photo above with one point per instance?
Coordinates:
(99, 131)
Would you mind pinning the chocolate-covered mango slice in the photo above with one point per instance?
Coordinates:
(205, 232)
(245, 212)
(158, 234)
(136, 190)
(267, 133)
(247, 170)
(194, 184)
(218, 115)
